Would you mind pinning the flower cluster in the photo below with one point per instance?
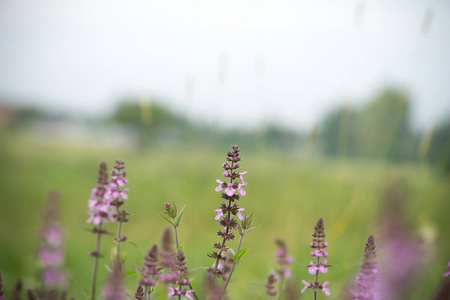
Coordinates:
(231, 192)
(270, 285)
(51, 252)
(115, 191)
(282, 271)
(149, 270)
(166, 267)
(100, 209)
(283, 259)
(368, 279)
(318, 245)
(116, 194)
(182, 285)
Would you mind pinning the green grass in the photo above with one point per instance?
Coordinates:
(287, 194)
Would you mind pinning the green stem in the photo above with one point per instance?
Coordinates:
(119, 233)
(317, 278)
(94, 276)
(232, 268)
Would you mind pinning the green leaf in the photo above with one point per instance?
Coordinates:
(130, 273)
(232, 253)
(240, 253)
(167, 219)
(181, 247)
(132, 244)
(251, 229)
(177, 222)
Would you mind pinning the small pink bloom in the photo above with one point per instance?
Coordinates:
(307, 285)
(219, 214)
(242, 177)
(221, 185)
(325, 289)
(229, 190)
(188, 294)
(238, 214)
(319, 253)
(321, 267)
(171, 292)
(240, 189)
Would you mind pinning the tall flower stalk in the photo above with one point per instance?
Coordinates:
(100, 211)
(368, 280)
(318, 264)
(51, 252)
(117, 194)
(229, 208)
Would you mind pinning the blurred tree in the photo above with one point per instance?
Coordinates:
(439, 150)
(383, 128)
(380, 129)
(143, 113)
(152, 121)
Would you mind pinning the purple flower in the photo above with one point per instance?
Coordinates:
(325, 289)
(319, 253)
(219, 214)
(446, 274)
(307, 285)
(316, 285)
(314, 267)
(51, 257)
(53, 235)
(53, 277)
(368, 279)
(229, 190)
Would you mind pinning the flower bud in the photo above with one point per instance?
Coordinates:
(247, 222)
(171, 210)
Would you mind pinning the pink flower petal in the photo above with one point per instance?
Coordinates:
(219, 214)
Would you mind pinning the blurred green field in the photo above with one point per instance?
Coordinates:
(286, 192)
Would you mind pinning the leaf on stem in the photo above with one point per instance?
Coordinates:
(167, 219)
(240, 253)
(177, 222)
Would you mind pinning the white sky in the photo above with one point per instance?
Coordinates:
(245, 62)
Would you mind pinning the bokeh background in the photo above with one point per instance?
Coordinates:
(341, 110)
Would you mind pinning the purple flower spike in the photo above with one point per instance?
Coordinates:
(231, 192)
(368, 280)
(51, 253)
(315, 267)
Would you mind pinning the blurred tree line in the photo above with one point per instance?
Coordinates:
(382, 129)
